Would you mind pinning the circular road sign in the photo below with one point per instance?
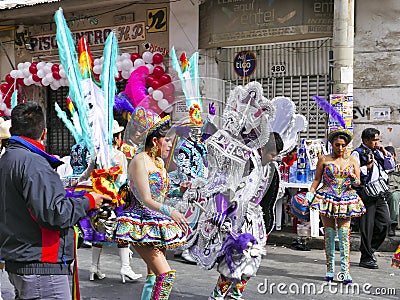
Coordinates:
(245, 63)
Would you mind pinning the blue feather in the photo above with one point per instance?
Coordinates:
(68, 58)
(14, 99)
(108, 83)
(63, 116)
(329, 109)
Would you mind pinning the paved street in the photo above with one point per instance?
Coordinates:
(297, 273)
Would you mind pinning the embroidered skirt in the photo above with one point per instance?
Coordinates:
(141, 226)
(396, 258)
(334, 207)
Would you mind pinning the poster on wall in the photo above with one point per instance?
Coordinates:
(344, 105)
(314, 149)
(379, 113)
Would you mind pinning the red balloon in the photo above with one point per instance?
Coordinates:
(158, 58)
(158, 72)
(135, 56)
(156, 84)
(2, 113)
(56, 75)
(119, 77)
(149, 80)
(20, 81)
(9, 79)
(165, 78)
(55, 68)
(4, 88)
(97, 77)
(36, 78)
(33, 69)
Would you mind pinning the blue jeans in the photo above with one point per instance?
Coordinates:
(40, 286)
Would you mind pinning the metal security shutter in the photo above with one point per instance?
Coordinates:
(300, 89)
(59, 139)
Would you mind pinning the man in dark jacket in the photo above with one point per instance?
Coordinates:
(36, 220)
(374, 224)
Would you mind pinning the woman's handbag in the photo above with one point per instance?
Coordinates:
(372, 191)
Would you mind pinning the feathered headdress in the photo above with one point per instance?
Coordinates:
(91, 108)
(188, 73)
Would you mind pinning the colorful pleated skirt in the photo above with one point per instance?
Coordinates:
(141, 226)
(349, 206)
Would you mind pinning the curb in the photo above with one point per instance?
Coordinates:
(285, 238)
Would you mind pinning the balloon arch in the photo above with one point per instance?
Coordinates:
(53, 75)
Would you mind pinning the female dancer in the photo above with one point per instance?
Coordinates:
(337, 200)
(150, 225)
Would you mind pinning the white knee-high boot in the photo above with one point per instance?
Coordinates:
(126, 270)
(95, 271)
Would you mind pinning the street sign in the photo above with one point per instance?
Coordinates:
(244, 63)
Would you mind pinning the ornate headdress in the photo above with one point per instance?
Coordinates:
(142, 123)
(247, 113)
(338, 132)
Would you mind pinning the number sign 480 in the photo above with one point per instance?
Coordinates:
(278, 69)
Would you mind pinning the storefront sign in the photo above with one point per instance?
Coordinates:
(127, 33)
(226, 22)
(244, 63)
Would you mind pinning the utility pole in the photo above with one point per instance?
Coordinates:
(343, 46)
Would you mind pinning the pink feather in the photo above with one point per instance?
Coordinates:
(136, 87)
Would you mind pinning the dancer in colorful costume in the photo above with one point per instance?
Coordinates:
(337, 200)
(234, 235)
(150, 225)
(93, 126)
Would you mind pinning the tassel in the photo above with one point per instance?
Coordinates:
(14, 99)
(76, 293)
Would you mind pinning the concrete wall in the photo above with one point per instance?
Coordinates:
(377, 68)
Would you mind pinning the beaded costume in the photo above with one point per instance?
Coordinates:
(336, 198)
(140, 225)
(396, 258)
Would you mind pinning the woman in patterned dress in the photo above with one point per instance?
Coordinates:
(149, 225)
(337, 200)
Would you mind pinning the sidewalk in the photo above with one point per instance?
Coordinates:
(286, 236)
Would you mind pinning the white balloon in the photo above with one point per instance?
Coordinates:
(53, 87)
(150, 67)
(41, 73)
(97, 69)
(148, 57)
(163, 104)
(138, 62)
(127, 65)
(41, 65)
(27, 81)
(49, 77)
(3, 106)
(47, 69)
(20, 66)
(125, 74)
(96, 62)
(56, 84)
(119, 65)
(62, 73)
(27, 64)
(158, 95)
(26, 72)
(45, 82)
(20, 74)
(125, 56)
(14, 74)
(150, 90)
(7, 112)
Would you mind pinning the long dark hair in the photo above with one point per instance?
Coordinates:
(157, 133)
